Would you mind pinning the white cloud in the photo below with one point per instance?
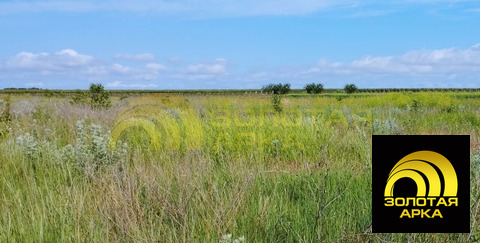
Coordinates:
(443, 61)
(156, 67)
(196, 7)
(214, 8)
(454, 67)
(71, 58)
(46, 61)
(120, 68)
(7, 7)
(145, 57)
(204, 68)
(208, 8)
(449, 67)
(68, 64)
(29, 60)
(97, 70)
(218, 67)
(475, 47)
(120, 84)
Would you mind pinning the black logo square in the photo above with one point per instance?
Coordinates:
(421, 184)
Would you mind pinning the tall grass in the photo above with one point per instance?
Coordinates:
(299, 175)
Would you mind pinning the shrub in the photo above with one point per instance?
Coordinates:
(99, 97)
(350, 88)
(96, 97)
(90, 152)
(28, 144)
(388, 127)
(49, 93)
(277, 103)
(80, 97)
(277, 88)
(314, 88)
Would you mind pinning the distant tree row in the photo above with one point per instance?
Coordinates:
(386, 90)
(317, 88)
(33, 88)
(312, 88)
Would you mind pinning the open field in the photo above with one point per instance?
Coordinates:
(59, 92)
(224, 166)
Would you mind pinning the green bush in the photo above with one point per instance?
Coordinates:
(99, 97)
(96, 97)
(350, 88)
(314, 88)
(277, 88)
(80, 97)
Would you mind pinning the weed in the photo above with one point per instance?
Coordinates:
(28, 144)
(415, 105)
(277, 103)
(389, 126)
(5, 118)
(79, 98)
(228, 239)
(340, 97)
(91, 152)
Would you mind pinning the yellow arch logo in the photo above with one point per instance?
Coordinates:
(425, 164)
(169, 121)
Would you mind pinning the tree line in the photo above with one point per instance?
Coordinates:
(313, 88)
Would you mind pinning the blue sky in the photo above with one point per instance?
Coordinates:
(193, 44)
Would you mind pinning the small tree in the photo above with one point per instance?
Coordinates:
(96, 97)
(350, 88)
(314, 88)
(285, 89)
(277, 88)
(277, 103)
(99, 97)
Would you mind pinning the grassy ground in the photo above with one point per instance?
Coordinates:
(226, 168)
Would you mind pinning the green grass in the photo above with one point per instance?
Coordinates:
(300, 175)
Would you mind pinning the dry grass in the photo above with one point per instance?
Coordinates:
(258, 174)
